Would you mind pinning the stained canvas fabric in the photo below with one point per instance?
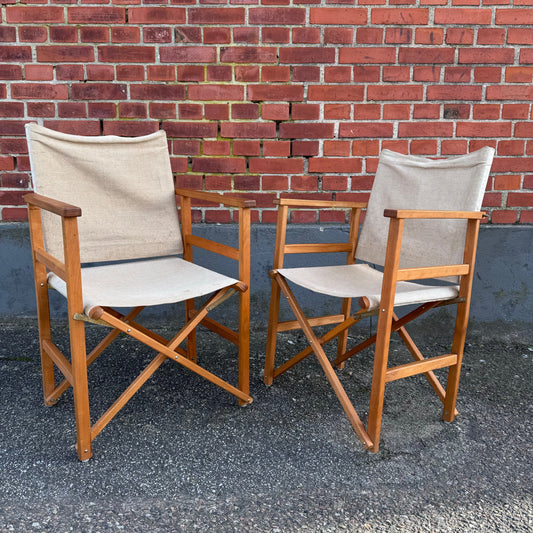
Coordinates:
(123, 185)
(355, 281)
(145, 282)
(415, 182)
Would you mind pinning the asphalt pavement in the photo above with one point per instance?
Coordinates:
(183, 456)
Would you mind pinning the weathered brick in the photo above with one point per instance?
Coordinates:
(216, 15)
(275, 93)
(156, 15)
(248, 54)
(362, 129)
(157, 92)
(34, 14)
(306, 130)
(369, 55)
(216, 92)
(41, 91)
(188, 54)
(400, 16)
(306, 55)
(276, 166)
(190, 129)
(248, 130)
(219, 164)
(337, 15)
(96, 15)
(276, 15)
(463, 16)
(56, 54)
(99, 91)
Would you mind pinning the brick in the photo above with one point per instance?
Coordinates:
(216, 111)
(306, 36)
(157, 92)
(431, 36)
(305, 112)
(486, 55)
(395, 74)
(246, 35)
(504, 183)
(369, 35)
(100, 72)
(246, 130)
(276, 183)
(248, 54)
(524, 129)
(217, 216)
(99, 91)
(326, 216)
(526, 56)
(337, 111)
(512, 164)
(453, 92)
(304, 148)
(411, 16)
(463, 16)
(71, 110)
(126, 54)
(424, 55)
(514, 16)
(394, 92)
(336, 93)
(396, 111)
(219, 164)
(219, 73)
(40, 109)
(487, 74)
(15, 180)
(248, 183)
(11, 109)
(74, 127)
(491, 36)
(7, 163)
(519, 36)
(306, 130)
(188, 54)
(275, 35)
(70, 72)
(132, 110)
(94, 34)
(186, 147)
(337, 15)
(338, 36)
(187, 34)
(8, 34)
(217, 35)
(216, 92)
(362, 129)
(304, 183)
(424, 147)
(245, 111)
(56, 54)
(96, 15)
(63, 34)
(41, 91)
(457, 74)
(217, 182)
(337, 148)
(161, 73)
(275, 111)
(515, 111)
(425, 129)
(510, 92)
(305, 73)
(276, 165)
(190, 111)
(303, 217)
(34, 14)
(157, 35)
(189, 181)
(125, 35)
(519, 74)
(335, 164)
(15, 214)
(484, 129)
(398, 35)
(33, 34)
(362, 183)
(276, 15)
(503, 216)
(486, 112)
(426, 111)
(455, 147)
(216, 15)
(246, 147)
(306, 55)
(246, 73)
(156, 15)
(367, 55)
(520, 199)
(190, 129)
(338, 74)
(15, 53)
(162, 110)
(334, 183)
(273, 93)
(276, 148)
(130, 72)
(367, 111)
(275, 73)
(526, 217)
(459, 36)
(39, 72)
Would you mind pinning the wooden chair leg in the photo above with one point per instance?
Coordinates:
(80, 389)
(452, 386)
(272, 333)
(244, 344)
(342, 341)
(191, 339)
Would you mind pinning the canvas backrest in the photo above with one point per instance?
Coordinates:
(414, 182)
(123, 185)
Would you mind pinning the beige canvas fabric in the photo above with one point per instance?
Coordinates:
(146, 282)
(354, 281)
(413, 182)
(124, 187)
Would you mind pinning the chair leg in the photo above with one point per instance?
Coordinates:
(80, 389)
(191, 339)
(244, 344)
(272, 334)
(45, 334)
(454, 371)
(342, 341)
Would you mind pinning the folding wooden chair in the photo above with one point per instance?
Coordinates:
(105, 234)
(421, 223)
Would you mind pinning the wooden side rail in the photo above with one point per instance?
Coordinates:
(216, 198)
(420, 213)
(299, 203)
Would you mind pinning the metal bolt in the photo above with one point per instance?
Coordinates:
(129, 330)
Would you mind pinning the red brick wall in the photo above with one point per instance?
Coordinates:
(269, 97)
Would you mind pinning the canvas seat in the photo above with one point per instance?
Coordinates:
(421, 227)
(105, 233)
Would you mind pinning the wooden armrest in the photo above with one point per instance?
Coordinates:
(54, 206)
(290, 202)
(216, 198)
(420, 213)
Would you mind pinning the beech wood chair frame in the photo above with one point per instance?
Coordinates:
(69, 269)
(388, 321)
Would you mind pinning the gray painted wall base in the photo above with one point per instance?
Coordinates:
(502, 291)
